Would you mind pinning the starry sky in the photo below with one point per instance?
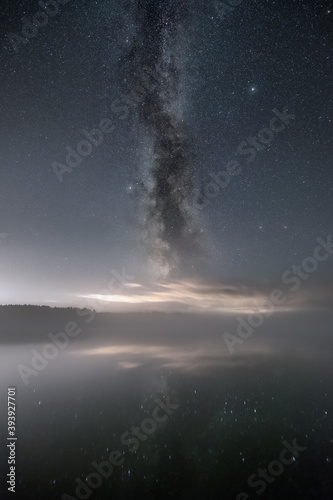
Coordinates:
(212, 163)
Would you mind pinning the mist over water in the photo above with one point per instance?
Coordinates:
(275, 387)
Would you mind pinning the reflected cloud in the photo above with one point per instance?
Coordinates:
(182, 358)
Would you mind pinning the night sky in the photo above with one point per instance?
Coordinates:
(142, 198)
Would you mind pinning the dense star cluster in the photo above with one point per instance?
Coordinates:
(154, 71)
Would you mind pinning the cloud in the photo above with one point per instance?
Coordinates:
(208, 296)
(184, 295)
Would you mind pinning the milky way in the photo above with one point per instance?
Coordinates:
(153, 69)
